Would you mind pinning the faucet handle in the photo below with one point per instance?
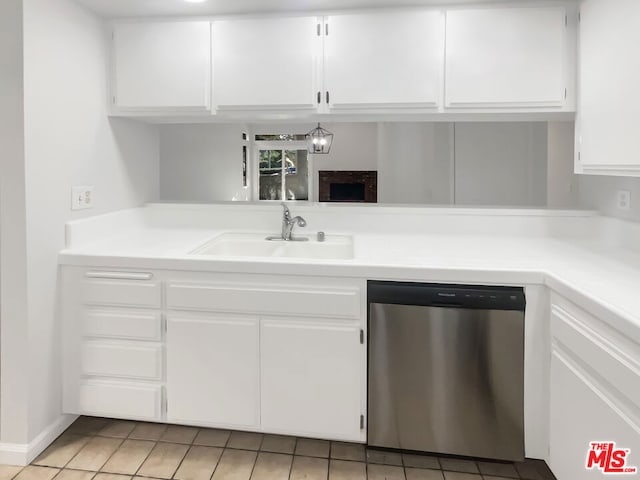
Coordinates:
(286, 211)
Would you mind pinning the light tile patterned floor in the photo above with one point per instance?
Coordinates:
(103, 449)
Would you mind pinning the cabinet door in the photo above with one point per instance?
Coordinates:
(312, 380)
(162, 66)
(584, 411)
(505, 57)
(212, 370)
(607, 140)
(268, 63)
(391, 59)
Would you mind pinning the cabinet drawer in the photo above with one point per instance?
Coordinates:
(124, 324)
(134, 293)
(126, 360)
(577, 332)
(277, 299)
(120, 400)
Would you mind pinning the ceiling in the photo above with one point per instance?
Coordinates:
(152, 8)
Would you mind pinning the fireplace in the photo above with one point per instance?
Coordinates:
(348, 186)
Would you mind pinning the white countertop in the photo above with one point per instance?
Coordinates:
(602, 279)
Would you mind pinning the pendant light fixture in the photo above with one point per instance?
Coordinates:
(319, 140)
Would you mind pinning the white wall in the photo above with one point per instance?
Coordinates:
(415, 163)
(201, 163)
(501, 164)
(562, 183)
(13, 255)
(69, 140)
(600, 193)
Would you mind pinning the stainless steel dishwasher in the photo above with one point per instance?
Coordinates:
(446, 369)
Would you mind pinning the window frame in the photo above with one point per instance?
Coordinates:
(281, 145)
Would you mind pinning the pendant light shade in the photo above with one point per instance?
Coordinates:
(319, 140)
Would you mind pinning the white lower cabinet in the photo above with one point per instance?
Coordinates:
(582, 412)
(273, 353)
(310, 377)
(112, 345)
(213, 370)
(269, 353)
(595, 391)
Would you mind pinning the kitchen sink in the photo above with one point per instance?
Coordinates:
(256, 245)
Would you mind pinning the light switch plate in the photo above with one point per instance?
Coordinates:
(81, 197)
(624, 200)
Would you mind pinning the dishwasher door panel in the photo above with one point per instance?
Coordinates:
(447, 380)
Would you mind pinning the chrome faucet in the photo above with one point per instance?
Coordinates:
(289, 222)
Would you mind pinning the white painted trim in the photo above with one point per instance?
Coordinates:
(13, 454)
(612, 170)
(24, 453)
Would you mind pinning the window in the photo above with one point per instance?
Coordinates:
(283, 168)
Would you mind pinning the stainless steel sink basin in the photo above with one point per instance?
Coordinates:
(256, 245)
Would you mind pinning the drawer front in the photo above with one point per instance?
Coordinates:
(120, 400)
(127, 361)
(123, 324)
(318, 301)
(133, 293)
(576, 332)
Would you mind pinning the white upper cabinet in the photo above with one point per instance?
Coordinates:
(266, 63)
(162, 66)
(403, 61)
(505, 57)
(382, 60)
(607, 140)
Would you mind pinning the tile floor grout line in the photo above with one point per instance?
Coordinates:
(218, 462)
(328, 468)
(69, 461)
(19, 471)
(181, 461)
(82, 448)
(146, 457)
(261, 442)
(226, 443)
(112, 454)
(291, 466)
(255, 462)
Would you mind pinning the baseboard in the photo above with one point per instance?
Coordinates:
(24, 453)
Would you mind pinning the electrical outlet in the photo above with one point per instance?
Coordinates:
(624, 200)
(81, 198)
